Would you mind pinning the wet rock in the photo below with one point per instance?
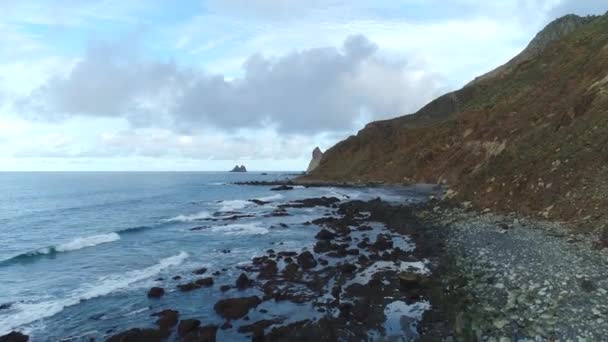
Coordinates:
(225, 251)
(199, 228)
(216, 273)
(345, 309)
(14, 336)
(137, 335)
(587, 285)
(187, 287)
(287, 254)
(288, 260)
(258, 336)
(306, 260)
(227, 325)
(290, 272)
(200, 271)
(187, 326)
(207, 333)
(167, 319)
(325, 234)
(410, 280)
(225, 288)
(312, 202)
(335, 291)
(177, 277)
(156, 292)
(5, 306)
(322, 246)
(352, 251)
(269, 269)
(383, 242)
(234, 308)
(348, 268)
(204, 282)
(323, 262)
(282, 188)
(258, 202)
(258, 326)
(279, 212)
(243, 282)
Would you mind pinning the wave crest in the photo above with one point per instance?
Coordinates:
(24, 313)
(76, 244)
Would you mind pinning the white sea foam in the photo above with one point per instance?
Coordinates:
(270, 198)
(401, 318)
(366, 275)
(27, 312)
(189, 218)
(241, 229)
(234, 205)
(90, 241)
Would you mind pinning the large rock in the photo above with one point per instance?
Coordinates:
(156, 292)
(306, 260)
(317, 154)
(187, 326)
(239, 168)
(136, 335)
(14, 336)
(243, 282)
(235, 308)
(167, 319)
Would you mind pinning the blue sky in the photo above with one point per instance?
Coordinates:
(203, 85)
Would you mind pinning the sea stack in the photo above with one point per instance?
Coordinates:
(239, 168)
(317, 154)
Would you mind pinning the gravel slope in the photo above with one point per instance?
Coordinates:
(524, 280)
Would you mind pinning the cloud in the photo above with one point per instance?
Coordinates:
(318, 89)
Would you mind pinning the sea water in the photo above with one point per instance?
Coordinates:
(78, 251)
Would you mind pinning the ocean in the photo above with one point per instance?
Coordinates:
(79, 251)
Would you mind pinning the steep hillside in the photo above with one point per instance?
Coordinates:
(530, 136)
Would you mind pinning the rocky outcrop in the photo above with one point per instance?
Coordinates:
(14, 337)
(235, 308)
(317, 154)
(528, 137)
(237, 168)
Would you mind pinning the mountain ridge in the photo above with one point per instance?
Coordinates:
(510, 139)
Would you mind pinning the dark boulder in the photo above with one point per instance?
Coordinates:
(235, 308)
(325, 234)
(225, 288)
(200, 271)
(167, 319)
(187, 326)
(282, 188)
(204, 282)
(243, 282)
(137, 335)
(156, 292)
(188, 287)
(348, 268)
(322, 246)
(14, 336)
(269, 269)
(290, 272)
(306, 260)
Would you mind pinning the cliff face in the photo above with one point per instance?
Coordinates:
(530, 136)
(317, 154)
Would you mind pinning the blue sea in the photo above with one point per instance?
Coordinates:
(78, 251)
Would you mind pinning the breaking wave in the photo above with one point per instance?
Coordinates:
(24, 313)
(76, 244)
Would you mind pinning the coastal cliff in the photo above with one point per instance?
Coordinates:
(529, 136)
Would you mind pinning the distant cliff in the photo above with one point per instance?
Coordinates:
(530, 136)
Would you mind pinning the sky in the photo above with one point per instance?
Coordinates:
(137, 85)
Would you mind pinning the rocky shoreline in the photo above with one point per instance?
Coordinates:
(429, 272)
